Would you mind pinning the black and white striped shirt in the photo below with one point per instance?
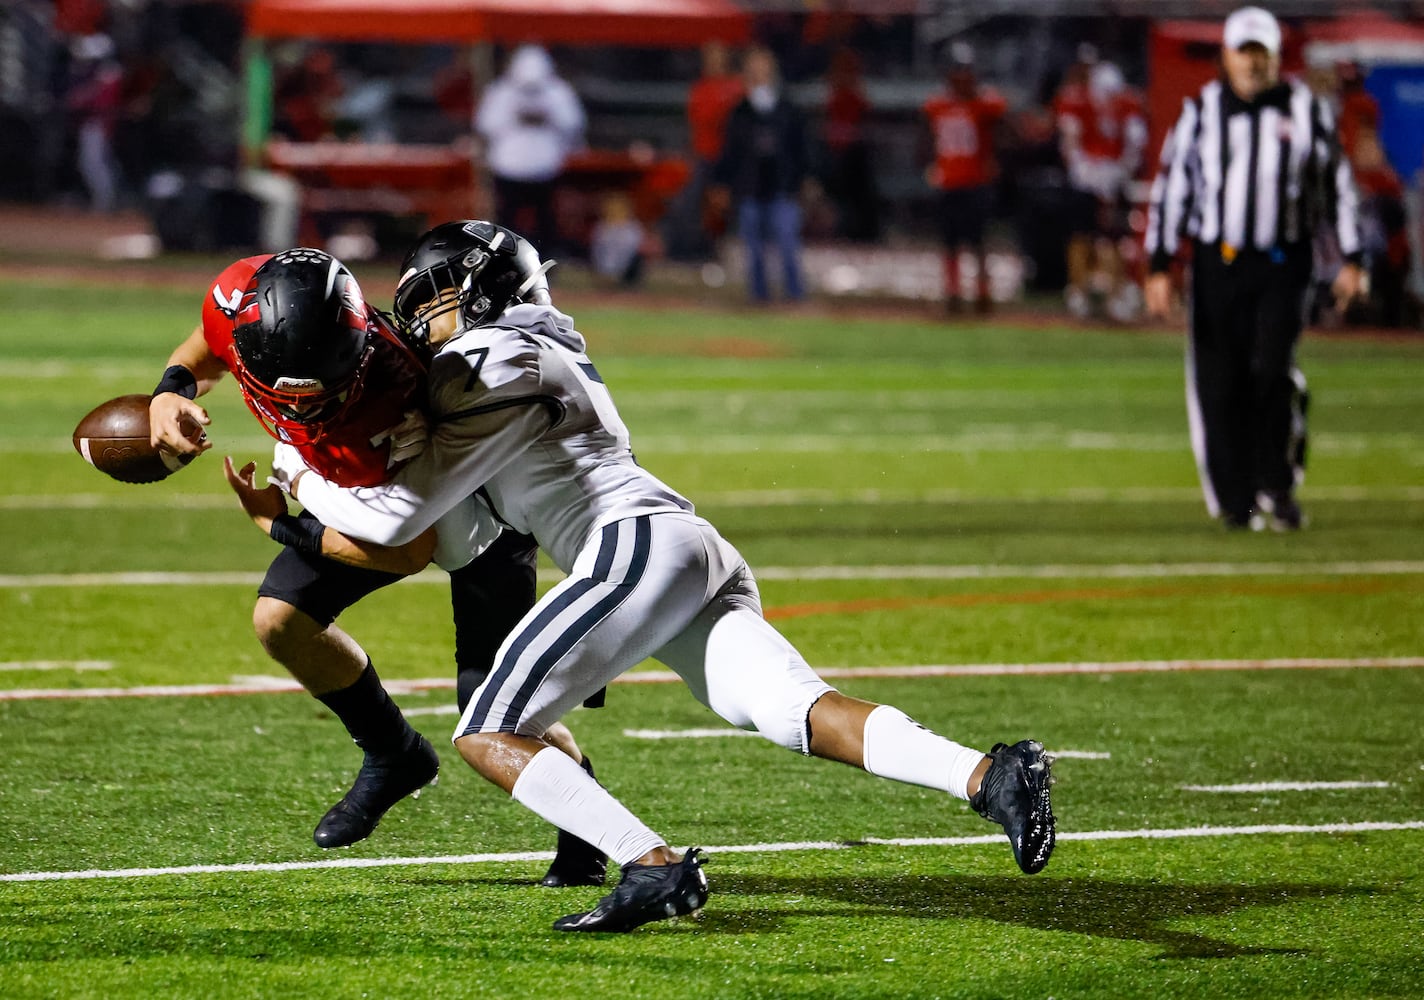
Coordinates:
(1264, 174)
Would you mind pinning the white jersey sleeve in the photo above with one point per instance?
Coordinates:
(487, 407)
(521, 418)
(463, 532)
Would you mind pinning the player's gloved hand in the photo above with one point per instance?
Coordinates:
(287, 467)
(409, 437)
(175, 424)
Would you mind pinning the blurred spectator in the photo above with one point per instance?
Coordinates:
(453, 89)
(367, 112)
(1073, 88)
(962, 121)
(1414, 233)
(305, 97)
(1383, 235)
(531, 121)
(693, 223)
(849, 179)
(1102, 132)
(94, 98)
(1358, 110)
(763, 167)
(618, 243)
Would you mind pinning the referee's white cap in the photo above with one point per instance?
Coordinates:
(1252, 24)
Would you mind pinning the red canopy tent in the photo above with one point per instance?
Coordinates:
(651, 23)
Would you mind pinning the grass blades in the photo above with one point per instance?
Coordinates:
(911, 494)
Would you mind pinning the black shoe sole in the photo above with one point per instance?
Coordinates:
(1031, 862)
(1033, 840)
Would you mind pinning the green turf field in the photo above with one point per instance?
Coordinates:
(910, 495)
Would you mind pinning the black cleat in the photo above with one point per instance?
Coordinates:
(1283, 512)
(576, 862)
(1249, 521)
(645, 893)
(383, 781)
(1014, 793)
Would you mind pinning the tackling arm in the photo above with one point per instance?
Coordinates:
(488, 407)
(267, 506)
(462, 456)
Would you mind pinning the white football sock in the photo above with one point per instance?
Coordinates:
(563, 793)
(899, 748)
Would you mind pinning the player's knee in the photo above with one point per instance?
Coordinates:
(757, 680)
(785, 720)
(281, 628)
(559, 735)
(487, 753)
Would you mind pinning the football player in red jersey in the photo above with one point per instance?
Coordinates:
(962, 124)
(1102, 134)
(305, 347)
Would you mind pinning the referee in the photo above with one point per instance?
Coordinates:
(1251, 171)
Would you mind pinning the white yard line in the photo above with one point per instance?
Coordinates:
(772, 848)
(993, 439)
(1089, 571)
(684, 734)
(989, 571)
(431, 709)
(1285, 786)
(271, 684)
(79, 666)
(147, 500)
(707, 734)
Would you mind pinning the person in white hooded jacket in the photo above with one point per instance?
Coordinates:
(523, 419)
(531, 121)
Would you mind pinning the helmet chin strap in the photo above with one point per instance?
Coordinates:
(539, 272)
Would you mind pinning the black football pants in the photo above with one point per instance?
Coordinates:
(1245, 397)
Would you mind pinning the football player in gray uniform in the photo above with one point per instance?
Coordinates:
(522, 418)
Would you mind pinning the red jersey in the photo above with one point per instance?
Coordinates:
(1359, 112)
(963, 132)
(356, 450)
(846, 108)
(709, 102)
(1101, 131)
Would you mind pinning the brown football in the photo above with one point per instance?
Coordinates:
(113, 437)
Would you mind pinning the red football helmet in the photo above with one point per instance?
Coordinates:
(301, 340)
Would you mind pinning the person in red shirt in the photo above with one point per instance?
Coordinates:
(94, 98)
(356, 415)
(963, 121)
(1359, 111)
(850, 181)
(306, 95)
(697, 218)
(1383, 229)
(1102, 133)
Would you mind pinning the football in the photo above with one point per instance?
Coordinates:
(113, 437)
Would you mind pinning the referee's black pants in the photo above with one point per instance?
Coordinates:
(1245, 397)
